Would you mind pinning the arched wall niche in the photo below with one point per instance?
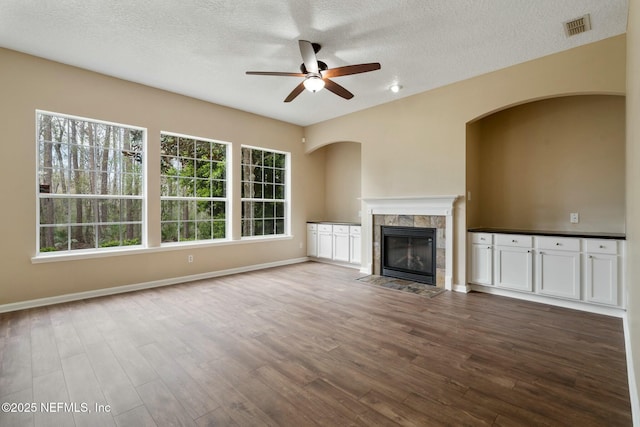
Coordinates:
(540, 98)
(529, 165)
(342, 180)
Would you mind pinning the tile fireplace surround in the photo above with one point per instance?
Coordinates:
(432, 212)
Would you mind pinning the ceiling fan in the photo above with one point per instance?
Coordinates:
(317, 74)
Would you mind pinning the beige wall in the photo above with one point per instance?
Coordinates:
(30, 83)
(416, 146)
(537, 162)
(633, 194)
(342, 178)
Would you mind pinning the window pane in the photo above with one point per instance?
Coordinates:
(109, 210)
(169, 210)
(109, 236)
(187, 230)
(219, 230)
(168, 145)
(279, 192)
(203, 150)
(219, 211)
(168, 186)
(83, 236)
(187, 210)
(204, 230)
(169, 232)
(280, 160)
(269, 191)
(54, 239)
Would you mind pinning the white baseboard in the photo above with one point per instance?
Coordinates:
(461, 288)
(633, 386)
(22, 305)
(558, 302)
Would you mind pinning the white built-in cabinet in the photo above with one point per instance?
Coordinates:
(558, 266)
(312, 240)
(334, 242)
(481, 270)
(355, 246)
(325, 241)
(341, 243)
(571, 268)
(513, 265)
(601, 271)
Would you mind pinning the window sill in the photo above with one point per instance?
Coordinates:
(59, 257)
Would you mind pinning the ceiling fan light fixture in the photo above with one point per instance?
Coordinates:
(313, 83)
(395, 88)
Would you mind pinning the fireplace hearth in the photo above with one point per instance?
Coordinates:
(408, 253)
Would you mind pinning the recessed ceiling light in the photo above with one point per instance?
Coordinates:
(395, 88)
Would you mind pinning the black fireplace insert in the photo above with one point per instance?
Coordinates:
(409, 253)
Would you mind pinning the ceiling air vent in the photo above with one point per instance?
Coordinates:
(578, 25)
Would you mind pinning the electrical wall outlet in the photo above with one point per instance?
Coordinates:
(190, 259)
(574, 217)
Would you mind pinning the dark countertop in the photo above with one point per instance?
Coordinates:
(334, 222)
(579, 234)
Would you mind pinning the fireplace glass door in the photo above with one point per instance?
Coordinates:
(409, 253)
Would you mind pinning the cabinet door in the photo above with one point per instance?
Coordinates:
(513, 268)
(312, 242)
(602, 279)
(558, 273)
(481, 264)
(341, 247)
(355, 249)
(325, 244)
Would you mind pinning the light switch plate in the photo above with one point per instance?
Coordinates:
(574, 218)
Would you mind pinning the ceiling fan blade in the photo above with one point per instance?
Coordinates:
(308, 56)
(275, 73)
(351, 69)
(295, 92)
(334, 87)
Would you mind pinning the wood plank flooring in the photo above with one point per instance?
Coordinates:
(308, 345)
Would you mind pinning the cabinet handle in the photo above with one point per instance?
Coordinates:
(488, 247)
(528, 252)
(558, 244)
(591, 256)
(514, 241)
(601, 246)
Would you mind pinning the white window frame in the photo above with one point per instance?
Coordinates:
(40, 195)
(286, 200)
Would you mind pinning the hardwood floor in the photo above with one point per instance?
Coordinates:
(308, 345)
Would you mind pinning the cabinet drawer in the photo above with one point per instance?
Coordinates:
(312, 227)
(517, 240)
(327, 228)
(558, 243)
(342, 229)
(486, 238)
(354, 230)
(601, 246)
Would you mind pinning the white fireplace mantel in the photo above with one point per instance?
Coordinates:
(427, 205)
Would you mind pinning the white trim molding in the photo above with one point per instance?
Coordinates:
(426, 205)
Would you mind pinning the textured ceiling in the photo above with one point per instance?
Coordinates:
(202, 48)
